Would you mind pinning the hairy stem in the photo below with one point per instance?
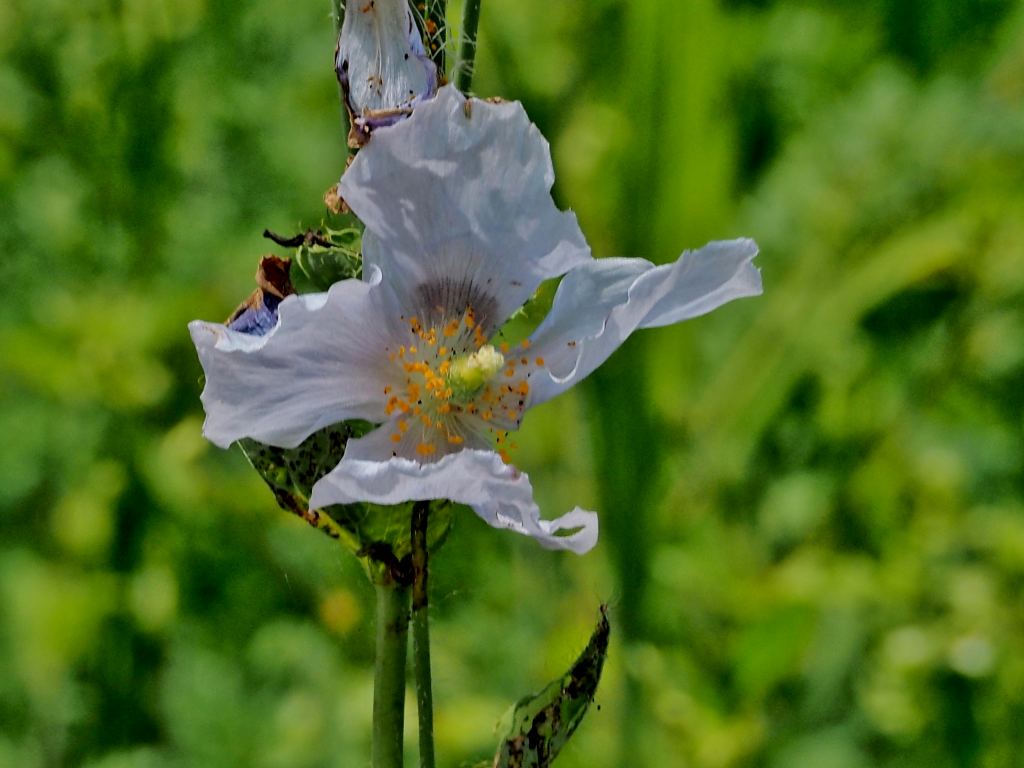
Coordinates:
(435, 29)
(467, 51)
(421, 634)
(389, 675)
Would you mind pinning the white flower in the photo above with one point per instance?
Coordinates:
(460, 231)
(382, 64)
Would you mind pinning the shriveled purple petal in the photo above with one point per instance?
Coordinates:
(457, 206)
(258, 318)
(496, 491)
(325, 361)
(598, 305)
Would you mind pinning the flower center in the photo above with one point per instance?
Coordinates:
(453, 383)
(469, 374)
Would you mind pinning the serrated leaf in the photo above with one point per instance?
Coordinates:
(379, 535)
(538, 726)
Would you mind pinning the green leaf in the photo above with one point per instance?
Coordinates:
(326, 258)
(535, 729)
(380, 536)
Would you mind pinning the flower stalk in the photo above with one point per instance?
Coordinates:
(467, 51)
(389, 675)
(421, 634)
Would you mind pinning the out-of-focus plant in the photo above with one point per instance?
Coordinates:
(155, 602)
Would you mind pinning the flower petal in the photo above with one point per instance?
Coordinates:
(324, 362)
(457, 204)
(381, 63)
(598, 305)
(496, 491)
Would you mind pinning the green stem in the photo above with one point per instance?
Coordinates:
(389, 675)
(421, 634)
(467, 51)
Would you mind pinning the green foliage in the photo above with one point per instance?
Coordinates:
(328, 258)
(811, 503)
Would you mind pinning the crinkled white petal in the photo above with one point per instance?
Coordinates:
(381, 60)
(496, 491)
(461, 193)
(598, 305)
(323, 363)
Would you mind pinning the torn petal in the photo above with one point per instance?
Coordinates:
(599, 304)
(496, 491)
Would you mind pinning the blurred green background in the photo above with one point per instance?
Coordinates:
(812, 503)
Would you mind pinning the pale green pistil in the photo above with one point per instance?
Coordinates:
(469, 374)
